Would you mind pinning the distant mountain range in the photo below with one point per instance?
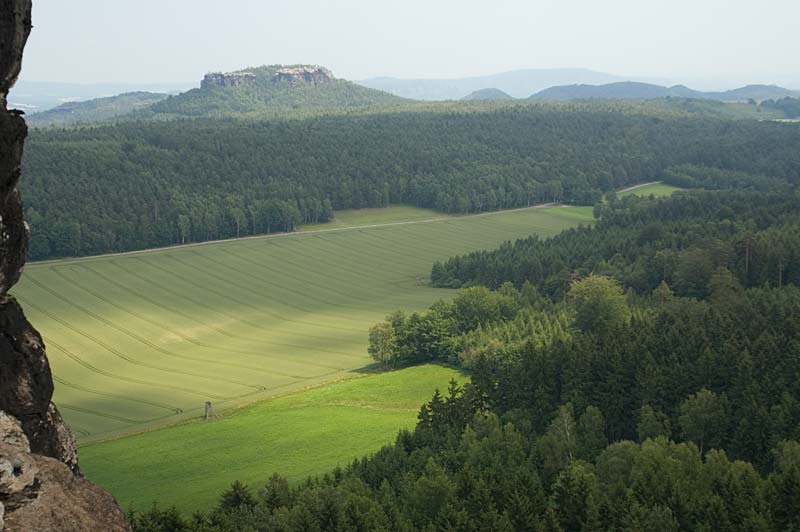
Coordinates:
(488, 94)
(96, 110)
(516, 83)
(37, 96)
(308, 90)
(636, 90)
(558, 83)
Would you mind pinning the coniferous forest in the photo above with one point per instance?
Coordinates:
(562, 297)
(639, 374)
(141, 184)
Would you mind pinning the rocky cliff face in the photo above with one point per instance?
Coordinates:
(231, 79)
(40, 484)
(295, 75)
(304, 74)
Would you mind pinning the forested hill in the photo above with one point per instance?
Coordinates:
(270, 91)
(789, 106)
(638, 90)
(142, 184)
(487, 94)
(96, 110)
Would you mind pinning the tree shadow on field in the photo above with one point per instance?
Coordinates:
(375, 368)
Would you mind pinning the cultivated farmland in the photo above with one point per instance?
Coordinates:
(144, 339)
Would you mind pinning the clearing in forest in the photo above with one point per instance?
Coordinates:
(144, 339)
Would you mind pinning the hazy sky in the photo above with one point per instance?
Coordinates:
(720, 42)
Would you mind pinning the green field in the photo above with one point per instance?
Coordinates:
(298, 435)
(371, 216)
(144, 339)
(658, 190)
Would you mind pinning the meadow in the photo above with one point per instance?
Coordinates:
(297, 435)
(141, 340)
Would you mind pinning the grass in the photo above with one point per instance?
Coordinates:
(299, 435)
(658, 190)
(371, 216)
(142, 340)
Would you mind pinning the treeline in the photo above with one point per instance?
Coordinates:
(789, 106)
(735, 353)
(682, 240)
(142, 184)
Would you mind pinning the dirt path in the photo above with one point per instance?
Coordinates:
(317, 231)
(640, 185)
(295, 233)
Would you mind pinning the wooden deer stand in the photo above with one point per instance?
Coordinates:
(209, 411)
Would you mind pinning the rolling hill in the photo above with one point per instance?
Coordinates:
(39, 96)
(637, 90)
(273, 90)
(517, 83)
(96, 110)
(487, 94)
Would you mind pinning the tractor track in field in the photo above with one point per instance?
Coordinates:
(131, 360)
(162, 327)
(256, 308)
(293, 262)
(383, 247)
(129, 421)
(239, 319)
(91, 367)
(173, 409)
(140, 339)
(406, 277)
(176, 410)
(261, 354)
(356, 273)
(359, 299)
(336, 249)
(267, 284)
(259, 310)
(453, 233)
(78, 430)
(384, 250)
(376, 237)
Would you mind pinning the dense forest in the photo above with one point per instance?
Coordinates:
(682, 241)
(639, 375)
(789, 106)
(141, 184)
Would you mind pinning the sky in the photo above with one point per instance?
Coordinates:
(704, 43)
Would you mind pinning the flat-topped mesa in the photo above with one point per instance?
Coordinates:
(230, 79)
(304, 74)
